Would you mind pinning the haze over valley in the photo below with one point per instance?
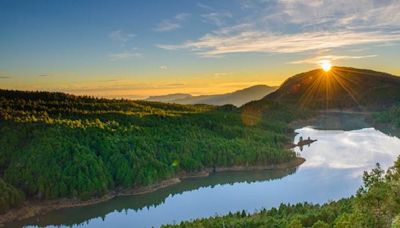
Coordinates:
(237, 98)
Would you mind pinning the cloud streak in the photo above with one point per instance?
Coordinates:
(121, 37)
(125, 55)
(220, 42)
(289, 26)
(217, 18)
(320, 59)
(171, 24)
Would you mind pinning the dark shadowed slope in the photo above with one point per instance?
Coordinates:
(236, 98)
(342, 87)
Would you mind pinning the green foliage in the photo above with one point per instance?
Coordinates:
(396, 222)
(320, 224)
(295, 223)
(54, 145)
(390, 116)
(9, 196)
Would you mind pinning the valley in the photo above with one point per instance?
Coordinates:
(327, 174)
(139, 147)
(200, 114)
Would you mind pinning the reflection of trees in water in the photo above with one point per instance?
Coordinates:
(389, 130)
(341, 121)
(81, 215)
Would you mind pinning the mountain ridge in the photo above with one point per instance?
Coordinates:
(237, 98)
(342, 87)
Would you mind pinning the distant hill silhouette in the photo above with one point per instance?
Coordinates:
(169, 98)
(340, 88)
(236, 98)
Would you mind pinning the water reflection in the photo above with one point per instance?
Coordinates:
(356, 149)
(345, 147)
(187, 192)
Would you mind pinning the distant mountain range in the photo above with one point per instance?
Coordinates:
(340, 88)
(236, 98)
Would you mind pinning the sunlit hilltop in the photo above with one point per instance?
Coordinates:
(340, 87)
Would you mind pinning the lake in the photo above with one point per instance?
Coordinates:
(346, 146)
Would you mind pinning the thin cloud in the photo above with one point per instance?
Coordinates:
(121, 37)
(125, 55)
(220, 43)
(174, 85)
(121, 86)
(43, 75)
(340, 13)
(204, 6)
(288, 26)
(5, 77)
(110, 80)
(163, 68)
(331, 58)
(217, 18)
(171, 24)
(247, 4)
(213, 16)
(220, 74)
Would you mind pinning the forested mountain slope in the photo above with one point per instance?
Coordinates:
(54, 145)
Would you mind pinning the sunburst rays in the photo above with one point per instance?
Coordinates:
(328, 87)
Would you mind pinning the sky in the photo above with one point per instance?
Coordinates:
(135, 49)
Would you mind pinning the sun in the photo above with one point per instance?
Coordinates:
(326, 65)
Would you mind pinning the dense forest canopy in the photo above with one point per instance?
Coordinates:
(55, 145)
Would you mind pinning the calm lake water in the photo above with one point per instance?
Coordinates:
(333, 169)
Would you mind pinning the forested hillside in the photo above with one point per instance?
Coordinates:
(55, 145)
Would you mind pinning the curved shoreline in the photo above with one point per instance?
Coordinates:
(34, 208)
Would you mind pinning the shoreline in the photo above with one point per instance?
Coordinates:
(33, 208)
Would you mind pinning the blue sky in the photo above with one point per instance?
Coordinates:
(141, 48)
